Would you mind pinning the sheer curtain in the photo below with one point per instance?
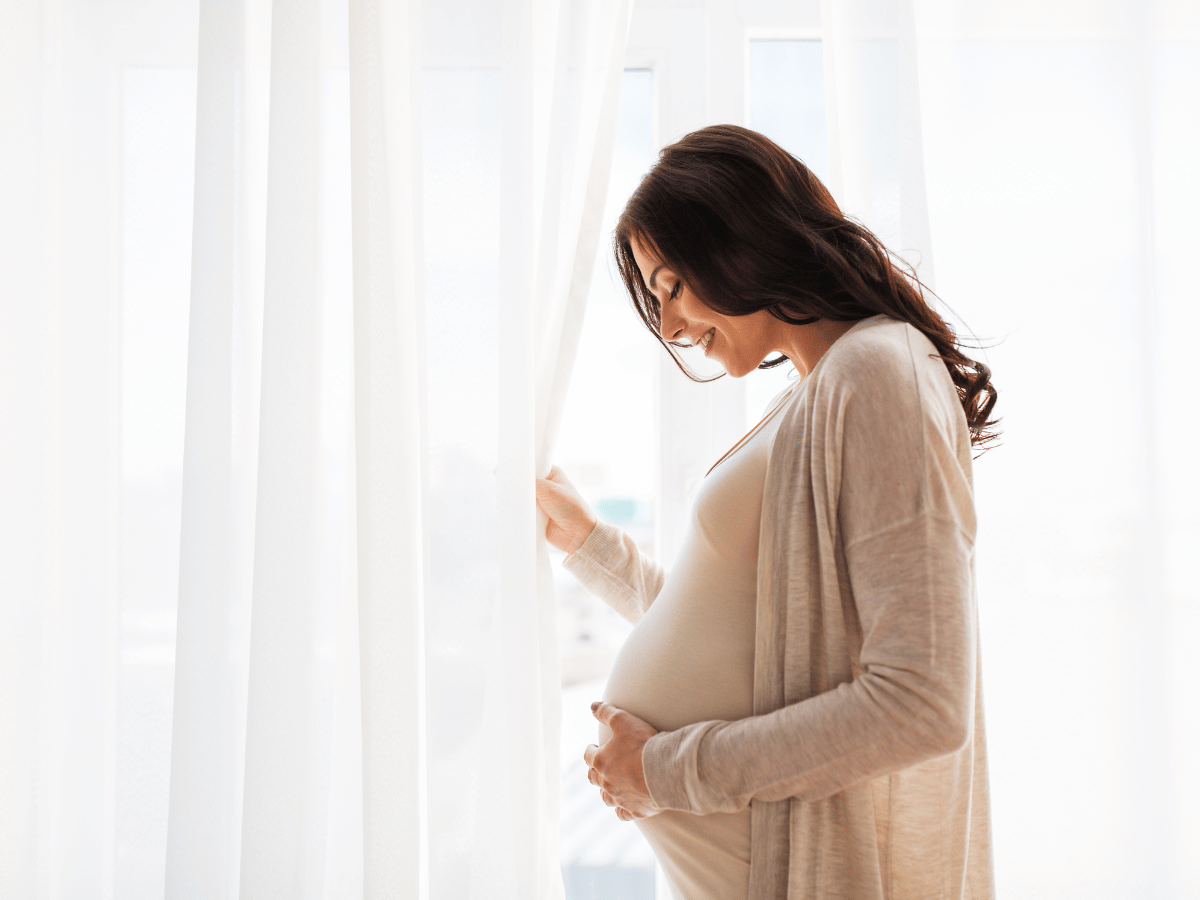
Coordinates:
(478, 816)
(393, 211)
(873, 122)
(1044, 152)
(60, 455)
(1062, 197)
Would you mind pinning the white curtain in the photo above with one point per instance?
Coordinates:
(1046, 152)
(873, 122)
(60, 455)
(390, 222)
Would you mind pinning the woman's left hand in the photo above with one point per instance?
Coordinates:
(616, 768)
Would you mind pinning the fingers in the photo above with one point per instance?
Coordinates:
(557, 480)
(589, 754)
(556, 501)
(554, 484)
(547, 490)
(605, 712)
(606, 797)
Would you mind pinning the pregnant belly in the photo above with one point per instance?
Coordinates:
(691, 659)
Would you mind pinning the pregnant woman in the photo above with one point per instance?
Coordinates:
(797, 713)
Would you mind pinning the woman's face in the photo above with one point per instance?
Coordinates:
(738, 343)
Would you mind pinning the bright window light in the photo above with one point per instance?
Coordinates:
(607, 447)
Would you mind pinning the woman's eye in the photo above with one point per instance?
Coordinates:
(675, 292)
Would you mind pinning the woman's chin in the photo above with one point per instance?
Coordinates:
(732, 370)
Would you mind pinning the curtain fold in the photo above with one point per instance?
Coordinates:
(61, 472)
(27, 378)
(279, 802)
(559, 83)
(873, 121)
(200, 827)
(384, 115)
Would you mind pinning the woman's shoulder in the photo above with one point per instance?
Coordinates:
(877, 343)
(886, 359)
(879, 348)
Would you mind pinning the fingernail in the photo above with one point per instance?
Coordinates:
(595, 706)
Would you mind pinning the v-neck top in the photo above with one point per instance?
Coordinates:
(691, 658)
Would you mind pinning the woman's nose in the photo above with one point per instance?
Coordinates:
(670, 326)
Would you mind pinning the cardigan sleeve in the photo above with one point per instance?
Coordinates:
(890, 442)
(610, 565)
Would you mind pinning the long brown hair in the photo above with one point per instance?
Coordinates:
(748, 227)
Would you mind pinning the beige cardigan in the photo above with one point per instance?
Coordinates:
(864, 764)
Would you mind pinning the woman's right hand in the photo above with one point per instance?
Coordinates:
(571, 519)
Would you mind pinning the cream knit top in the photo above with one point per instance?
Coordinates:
(691, 656)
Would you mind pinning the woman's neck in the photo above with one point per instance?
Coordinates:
(806, 344)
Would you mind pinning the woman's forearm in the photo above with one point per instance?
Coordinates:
(610, 565)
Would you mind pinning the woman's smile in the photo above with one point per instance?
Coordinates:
(738, 343)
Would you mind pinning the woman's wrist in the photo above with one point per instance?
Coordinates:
(583, 541)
